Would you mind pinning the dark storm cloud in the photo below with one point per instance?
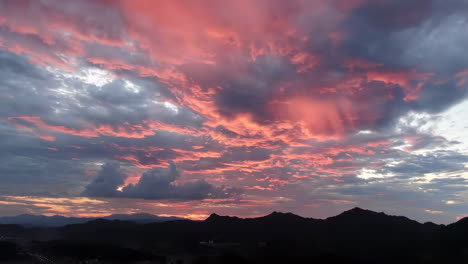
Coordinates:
(413, 35)
(154, 184)
(437, 98)
(377, 28)
(250, 90)
(437, 45)
(106, 182)
(394, 15)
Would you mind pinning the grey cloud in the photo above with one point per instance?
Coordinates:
(28, 167)
(447, 186)
(425, 141)
(437, 45)
(426, 37)
(154, 184)
(91, 18)
(251, 91)
(203, 164)
(377, 27)
(106, 182)
(38, 92)
(246, 88)
(414, 165)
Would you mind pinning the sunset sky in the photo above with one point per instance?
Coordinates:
(238, 107)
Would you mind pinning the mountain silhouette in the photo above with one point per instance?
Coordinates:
(354, 236)
(218, 219)
(58, 220)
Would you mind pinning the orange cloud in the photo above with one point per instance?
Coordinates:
(127, 130)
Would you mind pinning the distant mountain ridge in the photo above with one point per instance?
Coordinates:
(144, 218)
(358, 235)
(58, 220)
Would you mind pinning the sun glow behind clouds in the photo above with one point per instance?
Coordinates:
(450, 126)
(92, 75)
(171, 106)
(367, 174)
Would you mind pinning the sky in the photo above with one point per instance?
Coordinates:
(236, 107)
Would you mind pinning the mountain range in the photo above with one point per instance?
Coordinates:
(58, 220)
(354, 236)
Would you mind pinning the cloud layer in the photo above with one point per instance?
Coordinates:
(308, 106)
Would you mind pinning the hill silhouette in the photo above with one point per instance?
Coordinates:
(354, 236)
(58, 220)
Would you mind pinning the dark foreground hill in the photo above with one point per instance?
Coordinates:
(355, 236)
